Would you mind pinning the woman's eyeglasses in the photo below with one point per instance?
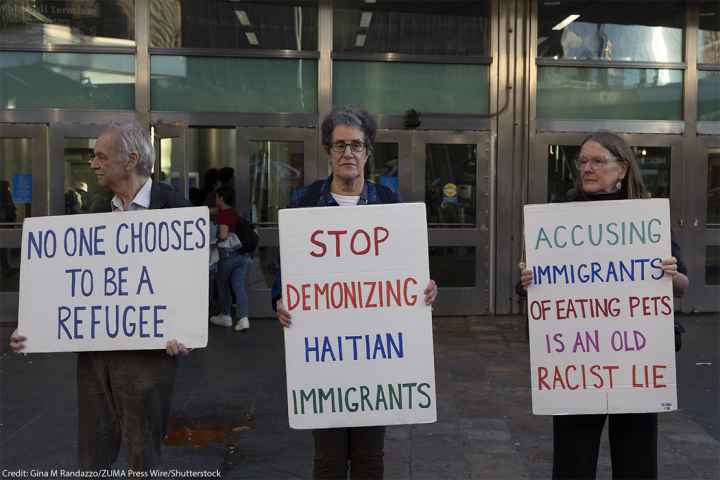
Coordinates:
(355, 147)
(595, 163)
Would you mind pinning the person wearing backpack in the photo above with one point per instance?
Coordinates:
(236, 241)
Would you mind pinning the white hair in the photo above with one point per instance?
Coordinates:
(133, 138)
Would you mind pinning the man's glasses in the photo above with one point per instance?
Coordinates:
(355, 147)
(596, 163)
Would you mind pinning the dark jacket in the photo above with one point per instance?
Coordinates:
(319, 195)
(161, 196)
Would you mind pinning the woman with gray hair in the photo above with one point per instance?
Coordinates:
(348, 136)
(608, 170)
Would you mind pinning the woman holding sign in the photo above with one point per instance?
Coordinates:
(608, 170)
(348, 136)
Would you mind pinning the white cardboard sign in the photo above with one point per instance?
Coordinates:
(600, 309)
(360, 348)
(114, 281)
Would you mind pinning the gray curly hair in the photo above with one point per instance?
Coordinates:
(351, 117)
(132, 137)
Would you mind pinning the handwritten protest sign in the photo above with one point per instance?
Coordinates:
(600, 308)
(360, 349)
(114, 281)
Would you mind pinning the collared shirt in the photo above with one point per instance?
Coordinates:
(140, 202)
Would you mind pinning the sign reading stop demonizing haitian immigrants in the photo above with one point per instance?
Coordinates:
(114, 281)
(600, 308)
(360, 348)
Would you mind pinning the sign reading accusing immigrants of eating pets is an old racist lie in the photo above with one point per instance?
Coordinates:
(600, 307)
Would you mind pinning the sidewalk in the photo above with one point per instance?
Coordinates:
(229, 409)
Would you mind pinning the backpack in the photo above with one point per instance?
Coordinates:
(247, 234)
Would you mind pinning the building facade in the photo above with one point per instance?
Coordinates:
(481, 107)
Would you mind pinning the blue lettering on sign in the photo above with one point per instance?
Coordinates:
(368, 347)
(139, 321)
(84, 241)
(42, 243)
(150, 237)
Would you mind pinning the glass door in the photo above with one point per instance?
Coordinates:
(73, 185)
(23, 187)
(450, 173)
(273, 163)
(170, 165)
(703, 228)
(391, 162)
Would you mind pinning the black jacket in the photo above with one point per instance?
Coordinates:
(161, 196)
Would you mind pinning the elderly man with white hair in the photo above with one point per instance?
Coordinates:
(125, 393)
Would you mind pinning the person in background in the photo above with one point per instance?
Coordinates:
(348, 136)
(226, 175)
(608, 170)
(8, 214)
(233, 263)
(197, 197)
(124, 394)
(210, 184)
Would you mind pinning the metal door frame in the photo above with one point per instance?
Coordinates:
(476, 300)
(58, 133)
(404, 139)
(259, 298)
(163, 130)
(701, 297)
(12, 237)
(411, 171)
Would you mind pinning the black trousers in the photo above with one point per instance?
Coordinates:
(123, 394)
(359, 448)
(633, 445)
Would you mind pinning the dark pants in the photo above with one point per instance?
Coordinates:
(123, 394)
(633, 445)
(360, 448)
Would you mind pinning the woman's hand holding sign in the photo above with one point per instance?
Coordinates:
(525, 276)
(430, 292)
(282, 314)
(680, 280)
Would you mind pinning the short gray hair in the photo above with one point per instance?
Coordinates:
(132, 137)
(351, 117)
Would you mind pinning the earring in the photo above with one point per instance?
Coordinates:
(618, 185)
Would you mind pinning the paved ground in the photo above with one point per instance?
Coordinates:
(229, 410)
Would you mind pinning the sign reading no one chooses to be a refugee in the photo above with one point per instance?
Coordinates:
(600, 307)
(114, 281)
(360, 348)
